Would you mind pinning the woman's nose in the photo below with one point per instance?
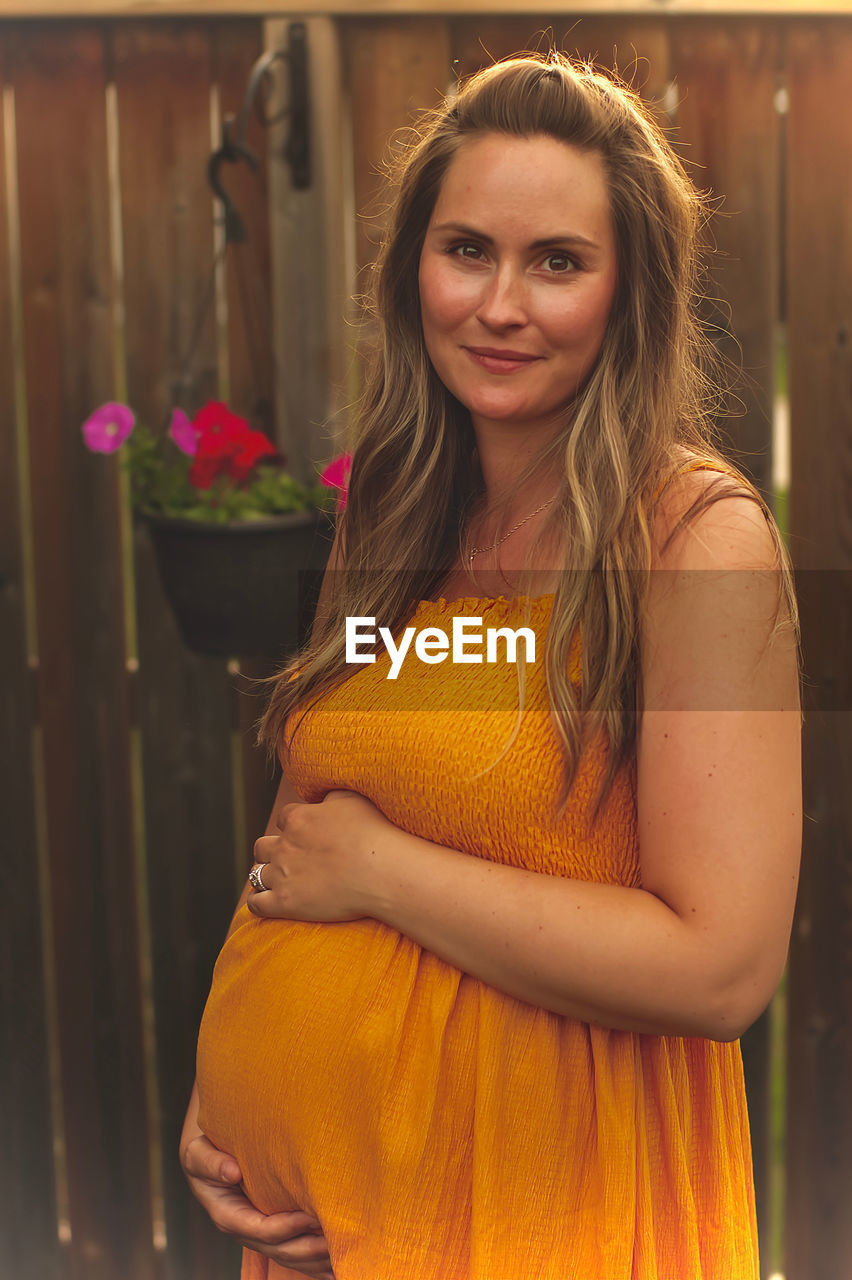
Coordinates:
(503, 301)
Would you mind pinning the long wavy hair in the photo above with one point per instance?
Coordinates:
(645, 413)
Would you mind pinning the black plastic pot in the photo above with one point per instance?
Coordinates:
(246, 589)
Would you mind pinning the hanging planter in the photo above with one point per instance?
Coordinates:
(239, 543)
(246, 588)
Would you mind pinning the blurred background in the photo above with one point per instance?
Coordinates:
(130, 789)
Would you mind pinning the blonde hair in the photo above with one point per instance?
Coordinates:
(645, 412)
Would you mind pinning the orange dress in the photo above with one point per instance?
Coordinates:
(439, 1129)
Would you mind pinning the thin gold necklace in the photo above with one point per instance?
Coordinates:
(474, 551)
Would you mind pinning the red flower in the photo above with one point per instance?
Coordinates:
(216, 419)
(227, 446)
(253, 446)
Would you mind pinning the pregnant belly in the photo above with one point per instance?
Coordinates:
(321, 1054)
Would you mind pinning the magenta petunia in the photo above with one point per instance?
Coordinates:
(336, 476)
(107, 428)
(184, 434)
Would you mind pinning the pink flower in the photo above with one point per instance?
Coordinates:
(336, 476)
(184, 434)
(107, 428)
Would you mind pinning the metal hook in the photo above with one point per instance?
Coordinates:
(297, 147)
(259, 73)
(234, 147)
(230, 152)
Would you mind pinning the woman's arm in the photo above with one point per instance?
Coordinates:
(699, 948)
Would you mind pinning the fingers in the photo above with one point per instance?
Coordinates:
(237, 1216)
(234, 1214)
(296, 1251)
(266, 905)
(284, 812)
(307, 1254)
(292, 1239)
(260, 900)
(200, 1159)
(264, 848)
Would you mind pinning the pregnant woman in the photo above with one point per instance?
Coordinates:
(477, 1016)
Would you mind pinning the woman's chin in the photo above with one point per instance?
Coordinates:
(517, 417)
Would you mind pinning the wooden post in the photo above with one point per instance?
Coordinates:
(312, 263)
(637, 47)
(83, 698)
(163, 74)
(29, 1244)
(819, 264)
(726, 76)
(253, 353)
(395, 67)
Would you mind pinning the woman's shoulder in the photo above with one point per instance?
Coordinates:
(707, 515)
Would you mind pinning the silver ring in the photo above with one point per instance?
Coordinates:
(254, 877)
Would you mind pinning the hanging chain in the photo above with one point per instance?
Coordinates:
(474, 551)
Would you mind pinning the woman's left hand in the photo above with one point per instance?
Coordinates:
(320, 864)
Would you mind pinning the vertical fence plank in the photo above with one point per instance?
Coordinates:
(311, 247)
(252, 379)
(237, 45)
(67, 296)
(396, 67)
(29, 1246)
(726, 75)
(163, 79)
(333, 265)
(819, 264)
(636, 47)
(479, 41)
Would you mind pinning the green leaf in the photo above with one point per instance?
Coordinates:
(160, 485)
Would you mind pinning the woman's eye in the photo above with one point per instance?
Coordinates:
(470, 251)
(560, 263)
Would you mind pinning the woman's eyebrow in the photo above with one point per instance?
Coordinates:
(536, 244)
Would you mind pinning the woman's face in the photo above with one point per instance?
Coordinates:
(517, 276)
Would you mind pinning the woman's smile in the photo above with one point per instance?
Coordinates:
(500, 362)
(517, 276)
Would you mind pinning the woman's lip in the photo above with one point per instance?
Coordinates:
(500, 361)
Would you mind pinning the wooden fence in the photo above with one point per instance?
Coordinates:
(129, 790)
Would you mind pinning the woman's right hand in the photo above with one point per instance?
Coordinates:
(292, 1240)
